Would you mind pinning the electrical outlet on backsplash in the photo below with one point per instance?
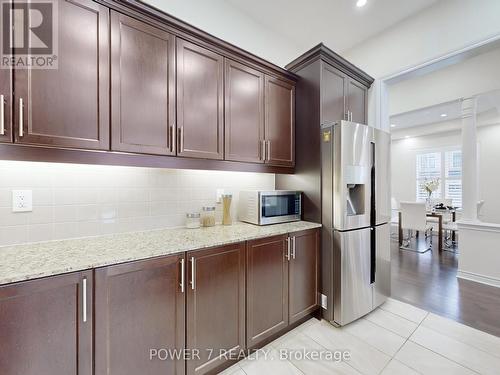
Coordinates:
(86, 200)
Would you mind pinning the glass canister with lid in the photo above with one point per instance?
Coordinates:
(192, 220)
(208, 216)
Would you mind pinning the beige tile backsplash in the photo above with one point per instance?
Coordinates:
(85, 200)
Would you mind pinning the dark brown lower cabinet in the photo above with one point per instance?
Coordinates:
(46, 326)
(139, 317)
(267, 288)
(282, 283)
(304, 274)
(215, 306)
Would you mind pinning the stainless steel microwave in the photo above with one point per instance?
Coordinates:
(269, 207)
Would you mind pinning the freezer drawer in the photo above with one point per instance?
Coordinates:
(352, 290)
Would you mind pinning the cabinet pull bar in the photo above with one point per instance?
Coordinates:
(263, 150)
(2, 115)
(84, 303)
(268, 151)
(181, 139)
(193, 273)
(172, 138)
(21, 120)
(288, 248)
(182, 276)
(293, 247)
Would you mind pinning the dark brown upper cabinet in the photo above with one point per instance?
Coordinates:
(142, 87)
(69, 106)
(139, 307)
(333, 95)
(244, 113)
(304, 274)
(342, 98)
(46, 326)
(215, 306)
(356, 104)
(200, 117)
(267, 288)
(279, 122)
(6, 105)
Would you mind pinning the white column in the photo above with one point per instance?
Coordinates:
(469, 160)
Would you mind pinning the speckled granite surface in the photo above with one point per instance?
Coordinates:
(30, 261)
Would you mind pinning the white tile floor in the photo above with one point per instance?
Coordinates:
(395, 339)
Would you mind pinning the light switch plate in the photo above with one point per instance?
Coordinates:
(22, 200)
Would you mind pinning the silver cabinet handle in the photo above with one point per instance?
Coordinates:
(193, 273)
(268, 151)
(84, 302)
(288, 243)
(172, 138)
(263, 150)
(181, 138)
(2, 115)
(21, 120)
(293, 247)
(182, 276)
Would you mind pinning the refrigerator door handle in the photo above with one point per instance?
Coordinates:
(373, 254)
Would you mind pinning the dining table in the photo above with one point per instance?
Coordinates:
(434, 213)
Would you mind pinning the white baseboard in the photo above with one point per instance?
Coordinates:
(492, 281)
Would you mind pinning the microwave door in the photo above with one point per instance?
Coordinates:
(279, 208)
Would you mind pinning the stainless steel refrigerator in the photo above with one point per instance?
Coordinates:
(356, 212)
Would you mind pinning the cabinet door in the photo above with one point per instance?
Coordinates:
(69, 106)
(143, 85)
(280, 122)
(332, 95)
(267, 288)
(356, 101)
(199, 101)
(244, 113)
(215, 305)
(6, 105)
(304, 274)
(46, 326)
(139, 308)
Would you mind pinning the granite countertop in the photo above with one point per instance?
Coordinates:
(30, 261)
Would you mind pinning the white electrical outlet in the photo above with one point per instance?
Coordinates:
(324, 302)
(218, 194)
(22, 200)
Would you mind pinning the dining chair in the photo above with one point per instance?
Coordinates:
(394, 217)
(414, 218)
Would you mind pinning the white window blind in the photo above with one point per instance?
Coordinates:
(428, 168)
(445, 165)
(453, 176)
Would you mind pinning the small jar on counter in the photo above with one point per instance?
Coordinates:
(208, 216)
(192, 220)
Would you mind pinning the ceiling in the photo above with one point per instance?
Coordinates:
(337, 23)
(433, 115)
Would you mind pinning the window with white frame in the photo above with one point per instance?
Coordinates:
(445, 165)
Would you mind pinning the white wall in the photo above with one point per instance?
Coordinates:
(471, 77)
(87, 200)
(404, 166)
(446, 27)
(224, 21)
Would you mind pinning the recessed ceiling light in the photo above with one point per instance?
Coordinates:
(361, 3)
(407, 136)
(393, 125)
(444, 114)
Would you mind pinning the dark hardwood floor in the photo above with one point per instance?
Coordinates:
(429, 281)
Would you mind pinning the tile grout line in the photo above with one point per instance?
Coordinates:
(429, 349)
(404, 343)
